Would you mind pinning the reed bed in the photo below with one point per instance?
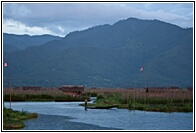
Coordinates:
(164, 100)
(43, 94)
(156, 99)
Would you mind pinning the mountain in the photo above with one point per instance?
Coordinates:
(109, 56)
(12, 42)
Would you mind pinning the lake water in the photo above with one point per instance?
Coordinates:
(70, 116)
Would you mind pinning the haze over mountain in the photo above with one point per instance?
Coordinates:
(108, 56)
(13, 42)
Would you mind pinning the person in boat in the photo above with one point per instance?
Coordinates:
(85, 104)
(147, 90)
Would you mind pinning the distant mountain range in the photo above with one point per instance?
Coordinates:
(107, 56)
(13, 42)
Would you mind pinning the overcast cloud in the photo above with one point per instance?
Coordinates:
(62, 18)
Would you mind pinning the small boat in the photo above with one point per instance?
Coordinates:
(102, 107)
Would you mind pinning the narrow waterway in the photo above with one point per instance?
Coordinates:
(70, 116)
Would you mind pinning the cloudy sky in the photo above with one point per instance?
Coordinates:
(62, 18)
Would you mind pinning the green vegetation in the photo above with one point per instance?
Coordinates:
(163, 100)
(166, 101)
(161, 105)
(14, 119)
(42, 97)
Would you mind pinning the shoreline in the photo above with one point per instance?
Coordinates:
(122, 119)
(155, 99)
(13, 119)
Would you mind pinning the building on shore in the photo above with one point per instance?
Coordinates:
(72, 89)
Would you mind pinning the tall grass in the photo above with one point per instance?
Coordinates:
(166, 100)
(154, 100)
(50, 94)
(14, 119)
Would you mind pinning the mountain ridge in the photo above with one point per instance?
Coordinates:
(13, 42)
(110, 56)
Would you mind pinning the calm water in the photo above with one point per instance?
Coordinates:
(70, 116)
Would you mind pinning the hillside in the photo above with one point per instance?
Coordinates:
(13, 42)
(109, 56)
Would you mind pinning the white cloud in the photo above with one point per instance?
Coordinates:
(60, 29)
(62, 18)
(16, 27)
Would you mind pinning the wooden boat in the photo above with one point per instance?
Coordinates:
(102, 107)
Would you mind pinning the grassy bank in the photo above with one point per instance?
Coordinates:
(163, 100)
(155, 100)
(42, 98)
(41, 95)
(161, 105)
(14, 119)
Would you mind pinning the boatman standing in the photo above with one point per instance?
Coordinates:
(85, 105)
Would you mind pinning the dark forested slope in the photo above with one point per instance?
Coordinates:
(109, 56)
